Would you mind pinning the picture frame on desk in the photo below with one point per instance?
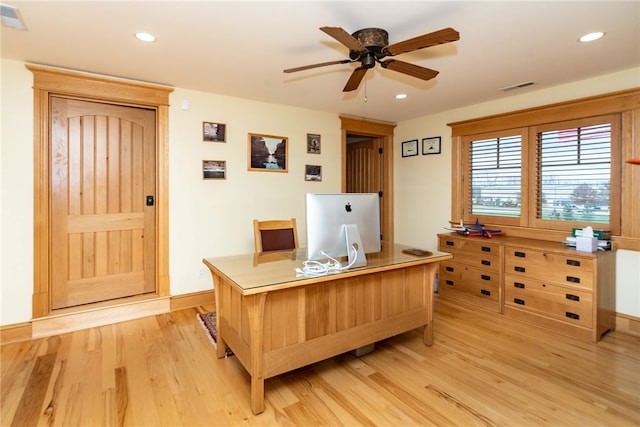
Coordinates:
(431, 145)
(410, 148)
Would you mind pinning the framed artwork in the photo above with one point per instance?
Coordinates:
(431, 145)
(268, 153)
(313, 143)
(410, 148)
(214, 169)
(312, 173)
(214, 132)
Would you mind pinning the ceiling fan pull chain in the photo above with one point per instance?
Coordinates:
(365, 90)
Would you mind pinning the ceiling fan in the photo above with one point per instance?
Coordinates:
(371, 45)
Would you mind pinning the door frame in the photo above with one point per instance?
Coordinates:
(49, 81)
(384, 131)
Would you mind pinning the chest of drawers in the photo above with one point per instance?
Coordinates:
(474, 274)
(554, 286)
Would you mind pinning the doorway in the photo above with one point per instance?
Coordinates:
(109, 94)
(367, 165)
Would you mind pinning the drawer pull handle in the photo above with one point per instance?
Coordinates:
(449, 269)
(485, 262)
(449, 243)
(518, 285)
(573, 279)
(485, 277)
(518, 301)
(486, 249)
(449, 282)
(572, 297)
(485, 292)
(571, 315)
(573, 263)
(519, 269)
(520, 254)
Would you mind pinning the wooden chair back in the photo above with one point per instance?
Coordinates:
(275, 234)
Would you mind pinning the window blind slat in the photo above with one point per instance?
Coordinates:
(574, 172)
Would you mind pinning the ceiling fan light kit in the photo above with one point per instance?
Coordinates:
(371, 45)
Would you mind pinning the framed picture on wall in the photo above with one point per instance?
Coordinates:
(214, 132)
(268, 153)
(410, 148)
(312, 173)
(431, 145)
(214, 169)
(313, 143)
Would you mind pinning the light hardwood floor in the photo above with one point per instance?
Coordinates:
(483, 370)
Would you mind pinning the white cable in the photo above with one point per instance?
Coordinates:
(317, 268)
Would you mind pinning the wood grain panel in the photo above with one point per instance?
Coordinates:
(100, 214)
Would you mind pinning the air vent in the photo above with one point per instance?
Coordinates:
(11, 17)
(516, 86)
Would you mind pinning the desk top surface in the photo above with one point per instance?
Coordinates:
(262, 272)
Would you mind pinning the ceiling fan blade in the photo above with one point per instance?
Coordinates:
(322, 64)
(345, 38)
(409, 69)
(445, 35)
(355, 79)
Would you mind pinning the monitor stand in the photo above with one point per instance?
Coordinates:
(353, 238)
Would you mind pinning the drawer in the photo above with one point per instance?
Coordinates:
(473, 255)
(449, 244)
(461, 278)
(558, 302)
(551, 267)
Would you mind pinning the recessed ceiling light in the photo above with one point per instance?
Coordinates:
(401, 96)
(591, 36)
(145, 37)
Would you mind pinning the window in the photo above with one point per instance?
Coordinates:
(573, 166)
(552, 176)
(574, 169)
(495, 171)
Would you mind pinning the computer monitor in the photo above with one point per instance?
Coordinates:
(343, 224)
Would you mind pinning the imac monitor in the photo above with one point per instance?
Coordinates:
(344, 224)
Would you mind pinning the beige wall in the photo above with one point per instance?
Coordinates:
(213, 217)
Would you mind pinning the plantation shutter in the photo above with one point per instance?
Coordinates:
(495, 168)
(574, 173)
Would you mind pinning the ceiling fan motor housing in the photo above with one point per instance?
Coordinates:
(374, 39)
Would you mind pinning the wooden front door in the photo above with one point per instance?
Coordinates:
(102, 207)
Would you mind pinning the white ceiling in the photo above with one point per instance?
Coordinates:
(240, 48)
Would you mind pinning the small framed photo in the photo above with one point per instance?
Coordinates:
(214, 132)
(268, 153)
(214, 169)
(313, 143)
(431, 145)
(312, 173)
(410, 148)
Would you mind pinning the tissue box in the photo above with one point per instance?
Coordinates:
(587, 244)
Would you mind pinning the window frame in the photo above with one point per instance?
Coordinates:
(625, 104)
(614, 189)
(468, 216)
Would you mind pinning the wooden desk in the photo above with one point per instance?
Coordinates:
(275, 321)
